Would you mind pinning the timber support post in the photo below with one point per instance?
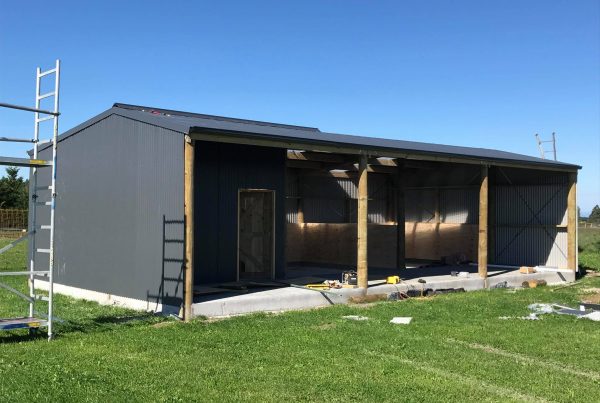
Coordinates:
(361, 224)
(400, 218)
(188, 292)
(572, 222)
(482, 254)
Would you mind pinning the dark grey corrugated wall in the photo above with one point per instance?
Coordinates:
(220, 171)
(119, 180)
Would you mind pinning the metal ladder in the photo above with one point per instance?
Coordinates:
(541, 142)
(32, 322)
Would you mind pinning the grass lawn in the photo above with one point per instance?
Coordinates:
(589, 248)
(456, 349)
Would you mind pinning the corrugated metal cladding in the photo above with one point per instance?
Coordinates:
(119, 214)
(221, 170)
(327, 199)
(531, 225)
(333, 200)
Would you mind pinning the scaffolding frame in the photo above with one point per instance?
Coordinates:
(32, 322)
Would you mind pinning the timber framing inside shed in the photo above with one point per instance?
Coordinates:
(232, 199)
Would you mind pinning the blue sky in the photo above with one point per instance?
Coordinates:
(474, 73)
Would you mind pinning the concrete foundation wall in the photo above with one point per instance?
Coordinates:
(336, 243)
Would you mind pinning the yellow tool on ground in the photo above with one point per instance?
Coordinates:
(319, 286)
(393, 280)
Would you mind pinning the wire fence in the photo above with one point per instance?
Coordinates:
(13, 223)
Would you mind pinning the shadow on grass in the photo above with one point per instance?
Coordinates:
(93, 324)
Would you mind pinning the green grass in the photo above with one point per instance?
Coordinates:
(589, 248)
(456, 349)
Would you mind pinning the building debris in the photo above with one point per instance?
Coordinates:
(349, 277)
(541, 308)
(595, 316)
(531, 316)
(398, 296)
(401, 320)
(355, 317)
(526, 270)
(534, 283)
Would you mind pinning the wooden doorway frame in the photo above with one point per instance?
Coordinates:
(274, 199)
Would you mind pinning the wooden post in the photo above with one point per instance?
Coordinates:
(572, 222)
(188, 292)
(400, 219)
(491, 216)
(361, 224)
(482, 255)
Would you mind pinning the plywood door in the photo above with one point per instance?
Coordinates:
(255, 245)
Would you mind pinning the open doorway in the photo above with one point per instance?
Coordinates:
(256, 234)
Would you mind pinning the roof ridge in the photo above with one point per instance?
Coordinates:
(172, 112)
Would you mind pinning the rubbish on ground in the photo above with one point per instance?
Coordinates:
(416, 293)
(349, 277)
(401, 320)
(534, 283)
(319, 286)
(541, 308)
(454, 273)
(422, 282)
(397, 296)
(595, 316)
(569, 311)
(501, 284)
(551, 269)
(393, 280)
(531, 316)
(355, 317)
(325, 285)
(441, 291)
(526, 270)
(583, 306)
(463, 274)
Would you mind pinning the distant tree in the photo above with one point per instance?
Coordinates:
(595, 215)
(14, 190)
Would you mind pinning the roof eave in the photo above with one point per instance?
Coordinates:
(205, 134)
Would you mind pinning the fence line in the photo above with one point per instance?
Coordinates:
(12, 222)
(13, 218)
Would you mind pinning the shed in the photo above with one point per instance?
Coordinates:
(152, 203)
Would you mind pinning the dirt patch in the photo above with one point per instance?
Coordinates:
(368, 298)
(591, 298)
(590, 295)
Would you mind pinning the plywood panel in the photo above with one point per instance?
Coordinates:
(336, 243)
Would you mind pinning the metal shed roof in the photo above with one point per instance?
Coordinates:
(232, 129)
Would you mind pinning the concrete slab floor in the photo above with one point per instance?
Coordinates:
(230, 303)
